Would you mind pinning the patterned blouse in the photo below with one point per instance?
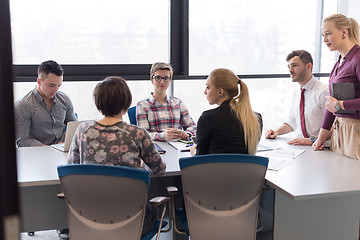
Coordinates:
(118, 144)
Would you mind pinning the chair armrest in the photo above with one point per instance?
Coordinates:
(61, 195)
(266, 187)
(157, 201)
(172, 190)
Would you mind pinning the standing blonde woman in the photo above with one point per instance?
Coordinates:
(342, 34)
(232, 127)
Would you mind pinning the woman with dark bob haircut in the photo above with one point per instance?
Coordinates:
(112, 141)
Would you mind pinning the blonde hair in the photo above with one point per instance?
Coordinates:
(341, 22)
(240, 104)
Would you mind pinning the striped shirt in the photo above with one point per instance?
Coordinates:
(36, 124)
(156, 117)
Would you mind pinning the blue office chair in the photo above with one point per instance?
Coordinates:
(107, 202)
(132, 115)
(221, 194)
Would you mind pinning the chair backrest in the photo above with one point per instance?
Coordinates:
(104, 202)
(221, 193)
(132, 115)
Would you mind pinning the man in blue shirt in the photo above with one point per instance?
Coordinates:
(42, 114)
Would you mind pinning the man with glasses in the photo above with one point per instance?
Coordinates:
(165, 118)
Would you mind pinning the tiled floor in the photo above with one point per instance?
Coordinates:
(52, 235)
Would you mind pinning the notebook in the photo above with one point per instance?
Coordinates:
(159, 149)
(183, 146)
(343, 91)
(70, 131)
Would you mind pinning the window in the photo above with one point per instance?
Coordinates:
(269, 96)
(250, 37)
(90, 32)
(328, 58)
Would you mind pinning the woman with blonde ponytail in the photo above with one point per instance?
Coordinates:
(232, 127)
(342, 34)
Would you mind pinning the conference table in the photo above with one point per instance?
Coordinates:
(317, 194)
(39, 184)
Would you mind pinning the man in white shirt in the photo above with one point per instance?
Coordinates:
(300, 65)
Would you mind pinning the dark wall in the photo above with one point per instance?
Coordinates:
(8, 177)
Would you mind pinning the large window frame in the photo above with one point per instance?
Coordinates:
(179, 56)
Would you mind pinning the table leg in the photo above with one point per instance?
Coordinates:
(41, 209)
(330, 218)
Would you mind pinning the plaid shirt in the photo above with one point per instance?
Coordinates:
(156, 117)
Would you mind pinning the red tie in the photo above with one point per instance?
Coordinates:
(302, 116)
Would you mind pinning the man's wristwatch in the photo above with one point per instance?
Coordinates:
(337, 106)
(312, 139)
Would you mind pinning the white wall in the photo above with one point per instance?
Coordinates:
(350, 8)
(354, 9)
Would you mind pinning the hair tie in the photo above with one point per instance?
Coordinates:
(239, 81)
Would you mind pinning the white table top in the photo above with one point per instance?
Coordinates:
(315, 174)
(38, 165)
(310, 175)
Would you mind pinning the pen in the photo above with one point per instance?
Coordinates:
(185, 150)
(189, 145)
(172, 145)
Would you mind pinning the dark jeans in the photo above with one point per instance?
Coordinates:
(150, 219)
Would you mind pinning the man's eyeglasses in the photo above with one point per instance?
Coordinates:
(159, 78)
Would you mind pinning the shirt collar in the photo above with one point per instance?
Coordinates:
(226, 102)
(309, 85)
(37, 95)
(152, 99)
(351, 52)
(40, 98)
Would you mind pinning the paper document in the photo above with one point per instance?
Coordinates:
(263, 148)
(278, 163)
(281, 157)
(283, 153)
